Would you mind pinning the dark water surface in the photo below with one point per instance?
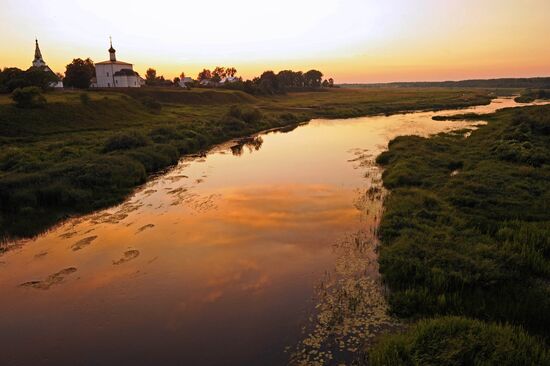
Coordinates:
(217, 262)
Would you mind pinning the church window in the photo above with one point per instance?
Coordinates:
(107, 74)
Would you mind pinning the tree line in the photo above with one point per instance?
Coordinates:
(12, 78)
(286, 80)
(80, 72)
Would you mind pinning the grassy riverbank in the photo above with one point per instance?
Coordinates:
(79, 154)
(466, 232)
(459, 341)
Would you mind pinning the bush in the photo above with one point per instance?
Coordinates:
(247, 115)
(151, 104)
(125, 141)
(459, 341)
(104, 174)
(164, 134)
(232, 124)
(155, 157)
(29, 97)
(235, 111)
(251, 115)
(288, 117)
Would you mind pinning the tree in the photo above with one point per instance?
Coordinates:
(290, 79)
(325, 83)
(150, 76)
(250, 87)
(10, 79)
(313, 78)
(176, 81)
(41, 78)
(182, 75)
(285, 78)
(79, 73)
(268, 83)
(230, 72)
(218, 74)
(331, 83)
(205, 74)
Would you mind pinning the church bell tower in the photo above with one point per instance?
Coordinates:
(38, 60)
(112, 51)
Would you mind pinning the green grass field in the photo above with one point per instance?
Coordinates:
(466, 232)
(75, 156)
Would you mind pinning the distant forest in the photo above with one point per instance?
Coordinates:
(536, 83)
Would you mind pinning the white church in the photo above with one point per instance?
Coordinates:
(39, 63)
(115, 74)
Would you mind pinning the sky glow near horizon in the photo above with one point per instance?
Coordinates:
(350, 40)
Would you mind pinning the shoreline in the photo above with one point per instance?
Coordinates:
(277, 121)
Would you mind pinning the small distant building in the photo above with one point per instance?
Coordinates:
(229, 80)
(208, 82)
(39, 63)
(115, 74)
(186, 80)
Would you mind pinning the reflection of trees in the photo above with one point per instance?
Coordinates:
(237, 150)
(252, 143)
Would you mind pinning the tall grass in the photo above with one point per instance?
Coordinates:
(476, 243)
(460, 341)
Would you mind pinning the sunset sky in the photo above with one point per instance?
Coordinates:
(350, 40)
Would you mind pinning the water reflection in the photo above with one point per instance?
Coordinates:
(217, 261)
(252, 143)
(350, 304)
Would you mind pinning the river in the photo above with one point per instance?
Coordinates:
(232, 258)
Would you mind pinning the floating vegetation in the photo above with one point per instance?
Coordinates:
(51, 280)
(193, 200)
(171, 179)
(350, 305)
(83, 243)
(362, 157)
(128, 256)
(145, 227)
(114, 218)
(68, 234)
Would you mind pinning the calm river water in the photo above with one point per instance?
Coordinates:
(228, 259)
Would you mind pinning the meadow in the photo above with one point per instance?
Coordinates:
(466, 232)
(84, 151)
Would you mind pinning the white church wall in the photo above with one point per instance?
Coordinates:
(124, 81)
(105, 75)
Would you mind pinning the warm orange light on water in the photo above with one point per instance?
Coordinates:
(219, 256)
